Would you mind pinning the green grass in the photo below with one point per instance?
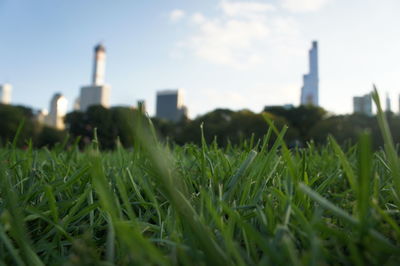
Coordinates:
(259, 203)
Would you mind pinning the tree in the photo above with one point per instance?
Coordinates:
(11, 118)
(49, 136)
(301, 118)
(111, 124)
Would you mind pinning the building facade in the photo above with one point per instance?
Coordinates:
(309, 91)
(362, 105)
(5, 93)
(94, 95)
(170, 105)
(388, 105)
(98, 93)
(58, 110)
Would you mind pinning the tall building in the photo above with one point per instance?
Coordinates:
(388, 105)
(42, 116)
(362, 104)
(98, 93)
(170, 105)
(5, 93)
(77, 104)
(58, 110)
(309, 91)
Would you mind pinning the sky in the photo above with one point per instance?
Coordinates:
(236, 54)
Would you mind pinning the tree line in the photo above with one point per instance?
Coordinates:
(222, 126)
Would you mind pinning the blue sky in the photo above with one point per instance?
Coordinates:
(233, 54)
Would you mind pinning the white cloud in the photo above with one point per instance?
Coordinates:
(198, 18)
(244, 9)
(229, 42)
(176, 15)
(240, 34)
(298, 6)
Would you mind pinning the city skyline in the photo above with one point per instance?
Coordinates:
(228, 54)
(169, 102)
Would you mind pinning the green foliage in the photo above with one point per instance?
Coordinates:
(303, 117)
(50, 137)
(305, 124)
(14, 118)
(226, 127)
(223, 126)
(10, 119)
(114, 124)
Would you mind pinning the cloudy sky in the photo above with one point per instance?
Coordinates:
(224, 53)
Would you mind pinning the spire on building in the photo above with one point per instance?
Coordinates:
(100, 48)
(99, 66)
(309, 91)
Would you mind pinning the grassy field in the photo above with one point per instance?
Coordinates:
(158, 204)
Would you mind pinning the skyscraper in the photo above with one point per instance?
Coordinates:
(5, 93)
(98, 93)
(58, 110)
(362, 105)
(388, 105)
(170, 105)
(309, 91)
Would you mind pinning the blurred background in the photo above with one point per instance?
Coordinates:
(179, 60)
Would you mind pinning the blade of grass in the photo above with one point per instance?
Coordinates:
(286, 152)
(389, 145)
(52, 203)
(18, 230)
(176, 195)
(364, 180)
(230, 188)
(345, 164)
(9, 246)
(343, 215)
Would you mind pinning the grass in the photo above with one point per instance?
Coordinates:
(259, 203)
